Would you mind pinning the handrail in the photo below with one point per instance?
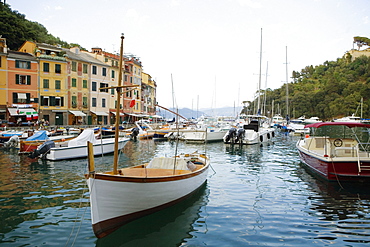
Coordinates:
(358, 158)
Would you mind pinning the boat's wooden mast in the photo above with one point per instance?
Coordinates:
(118, 117)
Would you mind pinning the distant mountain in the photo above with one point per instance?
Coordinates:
(188, 113)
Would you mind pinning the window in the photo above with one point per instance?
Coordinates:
(74, 66)
(84, 102)
(22, 64)
(113, 73)
(46, 83)
(74, 101)
(52, 101)
(93, 86)
(102, 85)
(74, 82)
(58, 101)
(46, 67)
(94, 70)
(112, 91)
(103, 102)
(21, 98)
(57, 84)
(93, 102)
(23, 79)
(84, 83)
(104, 72)
(84, 68)
(58, 68)
(45, 100)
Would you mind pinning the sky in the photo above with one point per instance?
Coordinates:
(207, 53)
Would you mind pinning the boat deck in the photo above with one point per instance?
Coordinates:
(142, 172)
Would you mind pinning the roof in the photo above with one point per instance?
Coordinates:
(348, 124)
(21, 55)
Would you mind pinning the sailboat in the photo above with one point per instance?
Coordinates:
(255, 129)
(120, 196)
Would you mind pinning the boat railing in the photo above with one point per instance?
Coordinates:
(362, 148)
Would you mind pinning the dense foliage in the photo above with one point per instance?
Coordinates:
(333, 89)
(17, 29)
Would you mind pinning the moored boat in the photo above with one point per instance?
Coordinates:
(337, 150)
(119, 196)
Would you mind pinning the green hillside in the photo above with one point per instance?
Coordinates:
(16, 29)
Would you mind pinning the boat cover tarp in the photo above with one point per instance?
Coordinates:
(83, 138)
(348, 124)
(167, 163)
(40, 135)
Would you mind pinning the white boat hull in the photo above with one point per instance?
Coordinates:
(202, 136)
(117, 200)
(105, 147)
(264, 135)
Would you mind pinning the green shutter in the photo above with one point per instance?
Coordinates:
(15, 97)
(28, 80)
(17, 78)
(52, 101)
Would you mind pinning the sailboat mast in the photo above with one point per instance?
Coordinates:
(264, 95)
(259, 81)
(115, 162)
(286, 86)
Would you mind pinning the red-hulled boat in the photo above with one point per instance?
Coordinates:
(337, 150)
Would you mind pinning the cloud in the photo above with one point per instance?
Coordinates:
(58, 8)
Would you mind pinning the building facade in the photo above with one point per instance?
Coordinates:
(42, 82)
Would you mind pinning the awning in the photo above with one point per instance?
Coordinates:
(22, 96)
(121, 114)
(78, 113)
(22, 111)
(100, 113)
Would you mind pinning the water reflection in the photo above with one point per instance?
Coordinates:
(169, 227)
(341, 209)
(27, 187)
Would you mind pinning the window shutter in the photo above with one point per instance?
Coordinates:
(42, 101)
(15, 97)
(28, 65)
(17, 78)
(52, 101)
(28, 96)
(62, 101)
(17, 64)
(28, 80)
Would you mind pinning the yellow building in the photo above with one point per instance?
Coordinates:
(148, 93)
(53, 81)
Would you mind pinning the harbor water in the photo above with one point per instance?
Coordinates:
(254, 196)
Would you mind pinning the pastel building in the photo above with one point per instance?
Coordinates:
(53, 81)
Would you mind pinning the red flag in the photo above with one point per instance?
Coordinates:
(132, 103)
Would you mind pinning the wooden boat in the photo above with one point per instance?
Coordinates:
(122, 195)
(337, 151)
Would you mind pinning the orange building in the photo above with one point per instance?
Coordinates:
(22, 88)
